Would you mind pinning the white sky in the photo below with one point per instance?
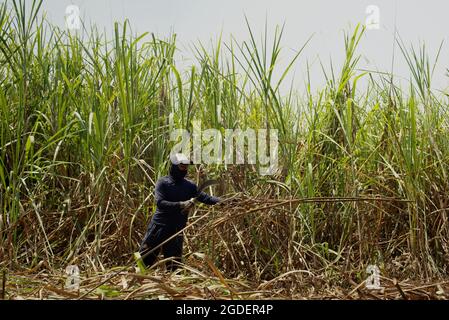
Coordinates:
(203, 20)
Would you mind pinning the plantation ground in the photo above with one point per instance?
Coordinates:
(205, 284)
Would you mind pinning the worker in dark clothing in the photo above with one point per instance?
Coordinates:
(174, 196)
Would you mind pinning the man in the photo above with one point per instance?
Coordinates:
(174, 196)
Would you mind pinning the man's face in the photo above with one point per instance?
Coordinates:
(183, 167)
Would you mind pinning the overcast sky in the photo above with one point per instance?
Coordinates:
(326, 20)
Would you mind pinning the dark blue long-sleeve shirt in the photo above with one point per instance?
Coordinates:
(168, 193)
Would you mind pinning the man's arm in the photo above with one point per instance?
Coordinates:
(161, 196)
(207, 199)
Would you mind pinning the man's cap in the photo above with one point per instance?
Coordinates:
(179, 158)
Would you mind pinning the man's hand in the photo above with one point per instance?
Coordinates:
(187, 205)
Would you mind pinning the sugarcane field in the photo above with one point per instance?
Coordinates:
(255, 151)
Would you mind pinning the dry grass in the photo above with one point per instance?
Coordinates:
(235, 265)
(191, 283)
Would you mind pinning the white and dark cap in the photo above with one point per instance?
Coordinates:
(179, 158)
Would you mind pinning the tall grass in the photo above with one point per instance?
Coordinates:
(85, 134)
